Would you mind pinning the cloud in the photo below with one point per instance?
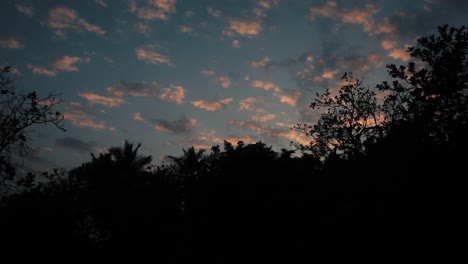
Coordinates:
(263, 117)
(102, 100)
(142, 28)
(138, 117)
(388, 44)
(124, 88)
(174, 94)
(11, 43)
(207, 72)
(272, 132)
(236, 43)
(101, 3)
(214, 12)
(25, 9)
(177, 126)
(212, 105)
(225, 81)
(61, 18)
(267, 86)
(363, 16)
(400, 54)
(244, 28)
(150, 54)
(41, 70)
(185, 29)
(263, 63)
(81, 119)
(75, 144)
(290, 97)
(153, 9)
(66, 63)
(249, 104)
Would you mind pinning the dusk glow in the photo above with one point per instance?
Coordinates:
(175, 74)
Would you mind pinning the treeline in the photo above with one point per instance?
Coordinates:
(382, 179)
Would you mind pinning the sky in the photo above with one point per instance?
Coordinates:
(171, 74)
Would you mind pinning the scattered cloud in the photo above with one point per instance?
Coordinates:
(101, 3)
(61, 18)
(263, 63)
(153, 9)
(267, 86)
(177, 126)
(41, 70)
(364, 16)
(271, 132)
(142, 28)
(212, 105)
(66, 63)
(244, 28)
(75, 144)
(249, 104)
(102, 100)
(225, 81)
(173, 94)
(11, 43)
(263, 117)
(207, 72)
(150, 54)
(214, 12)
(79, 118)
(124, 88)
(25, 9)
(400, 54)
(185, 29)
(138, 117)
(236, 43)
(290, 97)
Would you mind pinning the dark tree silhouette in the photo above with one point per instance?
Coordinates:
(19, 112)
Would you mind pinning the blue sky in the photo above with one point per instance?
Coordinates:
(175, 73)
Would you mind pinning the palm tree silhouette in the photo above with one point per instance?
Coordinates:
(188, 166)
(128, 161)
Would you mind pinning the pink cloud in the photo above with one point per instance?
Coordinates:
(214, 12)
(102, 100)
(153, 9)
(225, 81)
(400, 54)
(185, 29)
(42, 70)
(11, 43)
(212, 105)
(174, 94)
(388, 44)
(149, 54)
(249, 104)
(263, 117)
(82, 119)
(138, 117)
(244, 28)
(290, 97)
(272, 132)
(364, 16)
(261, 63)
(267, 86)
(66, 63)
(67, 18)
